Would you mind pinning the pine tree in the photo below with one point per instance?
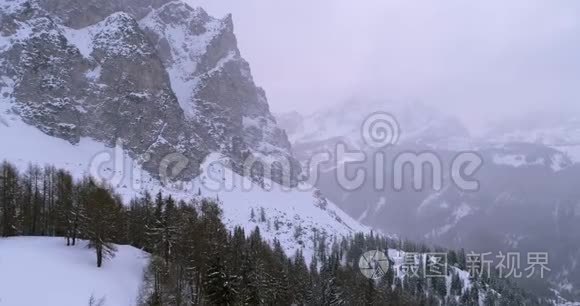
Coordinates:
(34, 188)
(165, 231)
(299, 278)
(220, 287)
(490, 299)
(65, 206)
(262, 215)
(254, 280)
(49, 201)
(439, 286)
(331, 293)
(81, 195)
(456, 285)
(186, 252)
(101, 212)
(237, 246)
(9, 192)
(370, 292)
(314, 294)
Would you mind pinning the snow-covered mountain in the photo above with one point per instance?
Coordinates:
(130, 90)
(419, 122)
(159, 76)
(527, 197)
(551, 128)
(408, 124)
(112, 88)
(559, 130)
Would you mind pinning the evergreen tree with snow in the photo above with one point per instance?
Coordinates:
(456, 285)
(66, 212)
(9, 193)
(219, 286)
(101, 211)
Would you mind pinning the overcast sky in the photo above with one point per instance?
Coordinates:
(476, 59)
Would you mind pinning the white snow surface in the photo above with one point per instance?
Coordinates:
(567, 133)
(459, 213)
(414, 120)
(557, 162)
(515, 160)
(66, 276)
(82, 39)
(572, 151)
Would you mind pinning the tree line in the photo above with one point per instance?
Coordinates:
(196, 260)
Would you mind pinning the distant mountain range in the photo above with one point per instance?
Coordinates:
(114, 87)
(528, 198)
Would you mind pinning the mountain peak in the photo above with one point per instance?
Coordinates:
(158, 76)
(228, 22)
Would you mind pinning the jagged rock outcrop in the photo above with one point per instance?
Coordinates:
(157, 76)
(78, 14)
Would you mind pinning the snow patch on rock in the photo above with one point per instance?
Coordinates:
(186, 46)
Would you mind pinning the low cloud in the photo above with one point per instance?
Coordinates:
(478, 60)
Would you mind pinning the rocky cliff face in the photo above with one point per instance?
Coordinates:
(157, 76)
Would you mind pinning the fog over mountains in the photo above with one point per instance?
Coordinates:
(527, 199)
(154, 96)
(478, 61)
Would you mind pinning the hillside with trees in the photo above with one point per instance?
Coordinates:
(196, 260)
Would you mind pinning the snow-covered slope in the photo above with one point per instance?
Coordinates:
(44, 271)
(293, 216)
(550, 128)
(559, 130)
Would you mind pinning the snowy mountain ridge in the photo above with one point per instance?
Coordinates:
(293, 214)
(111, 88)
(418, 122)
(158, 76)
(560, 131)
